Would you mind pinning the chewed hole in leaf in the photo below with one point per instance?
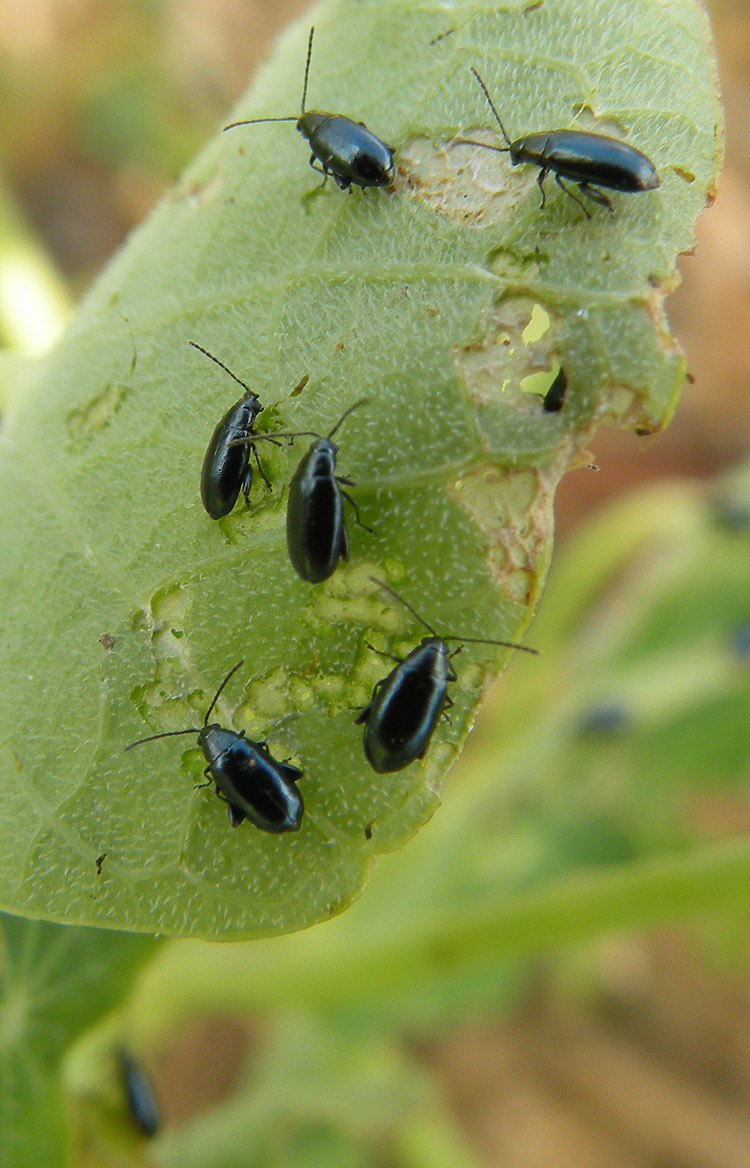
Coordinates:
(537, 384)
(472, 186)
(163, 700)
(518, 344)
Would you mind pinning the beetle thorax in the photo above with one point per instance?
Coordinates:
(322, 457)
(214, 740)
(517, 151)
(309, 122)
(251, 408)
(435, 650)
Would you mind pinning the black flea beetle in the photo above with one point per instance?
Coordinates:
(251, 782)
(345, 149)
(316, 532)
(405, 706)
(590, 160)
(226, 465)
(554, 398)
(142, 1105)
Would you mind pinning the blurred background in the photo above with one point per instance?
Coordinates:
(629, 1052)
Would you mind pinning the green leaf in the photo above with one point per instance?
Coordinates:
(55, 981)
(123, 605)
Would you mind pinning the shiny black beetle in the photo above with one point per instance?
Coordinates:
(345, 149)
(588, 159)
(316, 532)
(252, 783)
(405, 706)
(226, 466)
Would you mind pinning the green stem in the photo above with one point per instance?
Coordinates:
(343, 963)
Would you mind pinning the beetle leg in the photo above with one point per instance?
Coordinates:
(596, 196)
(344, 543)
(575, 198)
(235, 815)
(247, 482)
(208, 782)
(540, 183)
(364, 714)
(388, 657)
(320, 169)
(344, 184)
(261, 472)
(357, 519)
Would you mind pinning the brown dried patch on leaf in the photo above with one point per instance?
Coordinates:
(514, 509)
(517, 522)
(465, 183)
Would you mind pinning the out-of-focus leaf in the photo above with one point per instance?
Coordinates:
(54, 981)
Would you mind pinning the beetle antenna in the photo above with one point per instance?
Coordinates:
(272, 436)
(307, 70)
(405, 603)
(231, 673)
(487, 641)
(191, 729)
(299, 433)
(221, 365)
(486, 93)
(362, 402)
(255, 121)
(484, 145)
(164, 734)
